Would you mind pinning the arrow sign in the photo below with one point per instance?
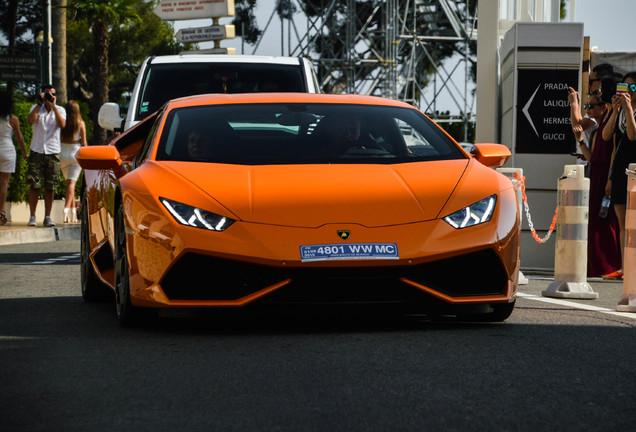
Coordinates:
(526, 110)
(193, 9)
(543, 111)
(201, 34)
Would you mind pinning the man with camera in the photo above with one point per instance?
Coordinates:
(47, 120)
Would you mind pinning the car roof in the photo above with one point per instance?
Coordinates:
(246, 98)
(223, 58)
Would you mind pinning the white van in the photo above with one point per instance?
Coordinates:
(162, 78)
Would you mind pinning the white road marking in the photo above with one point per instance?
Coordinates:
(576, 305)
(48, 261)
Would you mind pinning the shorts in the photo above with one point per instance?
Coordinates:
(44, 170)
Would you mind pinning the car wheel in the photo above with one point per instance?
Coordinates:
(92, 288)
(127, 314)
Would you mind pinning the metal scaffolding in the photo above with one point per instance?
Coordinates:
(393, 48)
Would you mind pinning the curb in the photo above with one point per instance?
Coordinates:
(10, 235)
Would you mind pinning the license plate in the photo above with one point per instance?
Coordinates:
(349, 251)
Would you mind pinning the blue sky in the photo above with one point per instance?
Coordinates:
(608, 23)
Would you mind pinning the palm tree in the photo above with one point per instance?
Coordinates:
(58, 19)
(102, 16)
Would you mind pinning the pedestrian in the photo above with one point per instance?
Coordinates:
(622, 128)
(47, 120)
(9, 125)
(586, 123)
(598, 72)
(603, 231)
(73, 136)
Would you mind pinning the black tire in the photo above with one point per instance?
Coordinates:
(92, 288)
(127, 314)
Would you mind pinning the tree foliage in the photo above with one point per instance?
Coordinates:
(133, 32)
(27, 24)
(129, 45)
(103, 17)
(245, 21)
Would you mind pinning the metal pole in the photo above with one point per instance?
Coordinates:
(466, 76)
(47, 43)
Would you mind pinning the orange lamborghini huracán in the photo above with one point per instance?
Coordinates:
(242, 200)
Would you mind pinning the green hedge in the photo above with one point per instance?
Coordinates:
(18, 189)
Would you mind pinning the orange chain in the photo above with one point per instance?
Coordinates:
(522, 182)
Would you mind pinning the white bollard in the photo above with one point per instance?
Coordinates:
(510, 172)
(627, 303)
(570, 262)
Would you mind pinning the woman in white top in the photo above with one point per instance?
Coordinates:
(9, 125)
(73, 135)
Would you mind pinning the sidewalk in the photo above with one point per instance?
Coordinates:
(19, 232)
(16, 231)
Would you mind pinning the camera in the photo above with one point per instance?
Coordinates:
(48, 97)
(40, 98)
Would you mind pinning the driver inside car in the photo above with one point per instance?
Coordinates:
(344, 135)
(199, 145)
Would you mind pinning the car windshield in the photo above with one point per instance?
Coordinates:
(170, 81)
(266, 134)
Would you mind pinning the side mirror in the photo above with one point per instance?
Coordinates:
(99, 157)
(109, 116)
(491, 155)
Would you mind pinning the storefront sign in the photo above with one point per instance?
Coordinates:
(543, 111)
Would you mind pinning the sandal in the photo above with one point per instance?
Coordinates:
(3, 218)
(617, 275)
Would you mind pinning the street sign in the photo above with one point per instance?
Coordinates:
(201, 34)
(19, 68)
(543, 111)
(193, 9)
(228, 50)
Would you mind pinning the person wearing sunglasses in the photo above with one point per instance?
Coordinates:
(47, 120)
(603, 242)
(598, 72)
(621, 127)
(586, 123)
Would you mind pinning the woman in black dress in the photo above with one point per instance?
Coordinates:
(623, 126)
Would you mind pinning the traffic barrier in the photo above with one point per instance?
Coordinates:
(522, 180)
(516, 176)
(627, 303)
(570, 261)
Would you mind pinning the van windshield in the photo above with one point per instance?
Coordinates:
(170, 81)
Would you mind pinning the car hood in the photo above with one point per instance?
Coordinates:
(315, 195)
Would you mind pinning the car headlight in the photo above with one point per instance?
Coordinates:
(474, 214)
(195, 217)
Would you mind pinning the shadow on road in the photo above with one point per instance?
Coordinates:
(66, 316)
(67, 365)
